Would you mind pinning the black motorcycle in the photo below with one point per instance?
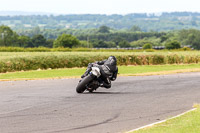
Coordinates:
(91, 82)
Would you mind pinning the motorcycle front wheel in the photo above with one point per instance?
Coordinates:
(82, 85)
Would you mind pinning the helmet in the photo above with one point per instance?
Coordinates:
(112, 60)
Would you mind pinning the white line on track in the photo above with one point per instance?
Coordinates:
(160, 121)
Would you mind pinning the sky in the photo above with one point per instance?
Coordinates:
(100, 6)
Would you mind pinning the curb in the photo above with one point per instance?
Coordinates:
(149, 125)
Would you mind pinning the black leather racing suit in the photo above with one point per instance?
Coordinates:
(108, 70)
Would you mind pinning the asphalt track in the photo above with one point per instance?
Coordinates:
(53, 106)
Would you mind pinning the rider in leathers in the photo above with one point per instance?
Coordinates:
(108, 70)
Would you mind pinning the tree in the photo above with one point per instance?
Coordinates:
(24, 41)
(85, 44)
(39, 40)
(190, 37)
(50, 43)
(102, 44)
(66, 40)
(104, 29)
(7, 36)
(147, 46)
(98, 43)
(111, 44)
(124, 44)
(36, 31)
(139, 43)
(118, 39)
(135, 28)
(164, 38)
(173, 45)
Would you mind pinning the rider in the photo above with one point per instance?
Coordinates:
(108, 70)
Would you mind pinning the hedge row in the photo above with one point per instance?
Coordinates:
(60, 49)
(39, 49)
(62, 61)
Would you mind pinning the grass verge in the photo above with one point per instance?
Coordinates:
(123, 71)
(187, 123)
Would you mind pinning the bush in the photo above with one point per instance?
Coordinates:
(66, 40)
(173, 45)
(186, 49)
(147, 46)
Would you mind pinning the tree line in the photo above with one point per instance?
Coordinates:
(147, 22)
(104, 37)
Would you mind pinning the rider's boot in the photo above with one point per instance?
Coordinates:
(106, 83)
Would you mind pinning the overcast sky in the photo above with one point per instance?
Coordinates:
(100, 6)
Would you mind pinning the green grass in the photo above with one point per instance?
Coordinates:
(134, 70)
(187, 123)
(77, 72)
(38, 74)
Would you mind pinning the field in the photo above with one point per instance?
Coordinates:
(18, 61)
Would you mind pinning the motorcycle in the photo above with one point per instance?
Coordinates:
(91, 82)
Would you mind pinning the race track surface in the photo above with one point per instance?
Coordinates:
(53, 106)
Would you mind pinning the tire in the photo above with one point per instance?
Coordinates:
(81, 86)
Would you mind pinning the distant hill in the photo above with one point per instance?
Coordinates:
(22, 13)
(147, 22)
